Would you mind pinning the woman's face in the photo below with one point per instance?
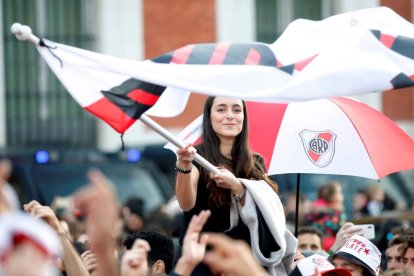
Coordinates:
(227, 117)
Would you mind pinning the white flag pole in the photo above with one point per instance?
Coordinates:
(24, 33)
(178, 143)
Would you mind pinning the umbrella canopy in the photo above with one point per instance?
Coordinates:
(338, 136)
(329, 136)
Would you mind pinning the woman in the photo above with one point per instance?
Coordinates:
(327, 213)
(225, 144)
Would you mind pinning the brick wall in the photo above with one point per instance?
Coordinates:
(170, 24)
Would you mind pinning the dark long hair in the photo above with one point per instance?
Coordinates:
(243, 164)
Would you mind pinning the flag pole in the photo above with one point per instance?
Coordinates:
(178, 143)
(24, 33)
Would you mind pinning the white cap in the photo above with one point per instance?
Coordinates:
(361, 251)
(18, 226)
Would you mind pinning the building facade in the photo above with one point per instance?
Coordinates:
(35, 111)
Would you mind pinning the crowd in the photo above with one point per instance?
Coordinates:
(218, 224)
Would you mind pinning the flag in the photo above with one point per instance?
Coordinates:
(358, 52)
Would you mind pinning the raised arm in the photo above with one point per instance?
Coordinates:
(98, 202)
(187, 178)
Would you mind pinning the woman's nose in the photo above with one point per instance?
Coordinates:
(230, 115)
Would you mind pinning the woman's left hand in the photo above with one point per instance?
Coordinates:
(226, 179)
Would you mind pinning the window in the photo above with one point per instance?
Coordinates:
(273, 16)
(39, 112)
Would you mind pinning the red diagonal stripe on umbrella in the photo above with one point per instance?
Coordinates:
(263, 130)
(314, 156)
(387, 156)
(324, 136)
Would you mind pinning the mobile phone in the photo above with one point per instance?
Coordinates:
(368, 231)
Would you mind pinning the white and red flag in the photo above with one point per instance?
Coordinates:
(352, 53)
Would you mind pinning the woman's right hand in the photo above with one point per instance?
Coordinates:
(186, 156)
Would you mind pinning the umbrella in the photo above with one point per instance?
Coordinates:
(340, 136)
(330, 136)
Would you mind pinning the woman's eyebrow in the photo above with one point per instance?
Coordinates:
(221, 105)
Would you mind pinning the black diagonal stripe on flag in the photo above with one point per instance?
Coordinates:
(123, 96)
(404, 46)
(376, 33)
(401, 81)
(238, 53)
(267, 57)
(201, 53)
(166, 58)
(288, 68)
(401, 44)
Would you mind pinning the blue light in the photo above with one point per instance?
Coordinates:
(42, 157)
(133, 155)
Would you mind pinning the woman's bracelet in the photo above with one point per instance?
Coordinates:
(239, 196)
(182, 170)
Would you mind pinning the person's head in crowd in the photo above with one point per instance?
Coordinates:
(394, 252)
(133, 214)
(28, 246)
(399, 272)
(375, 193)
(289, 205)
(408, 254)
(330, 195)
(309, 239)
(359, 256)
(403, 230)
(359, 201)
(161, 255)
(307, 266)
(375, 199)
(158, 222)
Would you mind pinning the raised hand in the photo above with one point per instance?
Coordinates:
(231, 257)
(135, 260)
(194, 244)
(90, 261)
